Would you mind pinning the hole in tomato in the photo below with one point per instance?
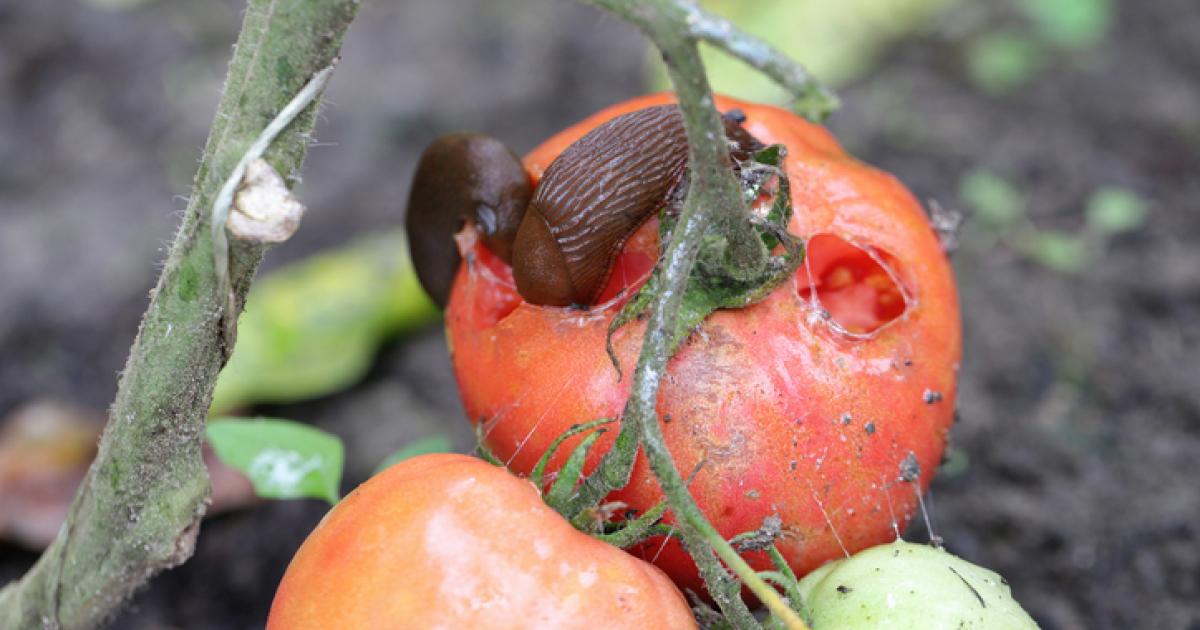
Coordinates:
(852, 285)
(633, 265)
(494, 292)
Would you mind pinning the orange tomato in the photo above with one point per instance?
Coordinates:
(450, 541)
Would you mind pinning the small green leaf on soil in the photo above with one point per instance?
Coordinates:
(1001, 61)
(312, 328)
(283, 459)
(1111, 210)
(1073, 24)
(1064, 253)
(997, 203)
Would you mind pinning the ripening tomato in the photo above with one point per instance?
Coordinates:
(450, 541)
(828, 403)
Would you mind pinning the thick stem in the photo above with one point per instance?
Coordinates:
(713, 195)
(138, 510)
(666, 23)
(640, 411)
(813, 100)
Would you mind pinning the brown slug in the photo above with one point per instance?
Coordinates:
(463, 176)
(590, 200)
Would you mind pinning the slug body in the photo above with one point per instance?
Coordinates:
(590, 200)
(463, 177)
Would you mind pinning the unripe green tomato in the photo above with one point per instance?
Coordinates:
(904, 585)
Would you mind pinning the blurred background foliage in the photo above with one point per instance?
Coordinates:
(1064, 133)
(313, 327)
(837, 41)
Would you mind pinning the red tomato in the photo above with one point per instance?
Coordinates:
(450, 541)
(807, 405)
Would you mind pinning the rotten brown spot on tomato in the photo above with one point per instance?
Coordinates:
(853, 287)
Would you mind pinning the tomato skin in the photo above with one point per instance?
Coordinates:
(789, 414)
(451, 541)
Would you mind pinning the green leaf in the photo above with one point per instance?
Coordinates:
(1070, 23)
(313, 327)
(571, 473)
(1000, 61)
(997, 203)
(637, 530)
(437, 443)
(282, 458)
(1064, 253)
(539, 469)
(1111, 210)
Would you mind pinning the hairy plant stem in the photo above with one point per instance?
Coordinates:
(683, 20)
(713, 197)
(813, 100)
(138, 510)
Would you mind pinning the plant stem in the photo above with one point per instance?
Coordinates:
(813, 100)
(713, 196)
(665, 22)
(694, 528)
(138, 509)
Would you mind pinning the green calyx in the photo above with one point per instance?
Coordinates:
(717, 281)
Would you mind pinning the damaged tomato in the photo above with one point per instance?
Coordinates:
(828, 403)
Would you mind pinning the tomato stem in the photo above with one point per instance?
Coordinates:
(713, 197)
(814, 101)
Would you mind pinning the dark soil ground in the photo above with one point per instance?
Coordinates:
(1080, 393)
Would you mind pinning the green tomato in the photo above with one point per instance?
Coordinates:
(904, 585)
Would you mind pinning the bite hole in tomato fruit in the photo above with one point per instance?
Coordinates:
(632, 266)
(855, 288)
(494, 293)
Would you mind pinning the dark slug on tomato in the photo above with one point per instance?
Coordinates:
(595, 195)
(461, 177)
(590, 200)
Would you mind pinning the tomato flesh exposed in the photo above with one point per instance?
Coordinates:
(811, 404)
(850, 284)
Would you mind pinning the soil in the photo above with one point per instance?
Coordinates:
(1074, 463)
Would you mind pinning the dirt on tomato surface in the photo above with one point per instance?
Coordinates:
(1073, 467)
